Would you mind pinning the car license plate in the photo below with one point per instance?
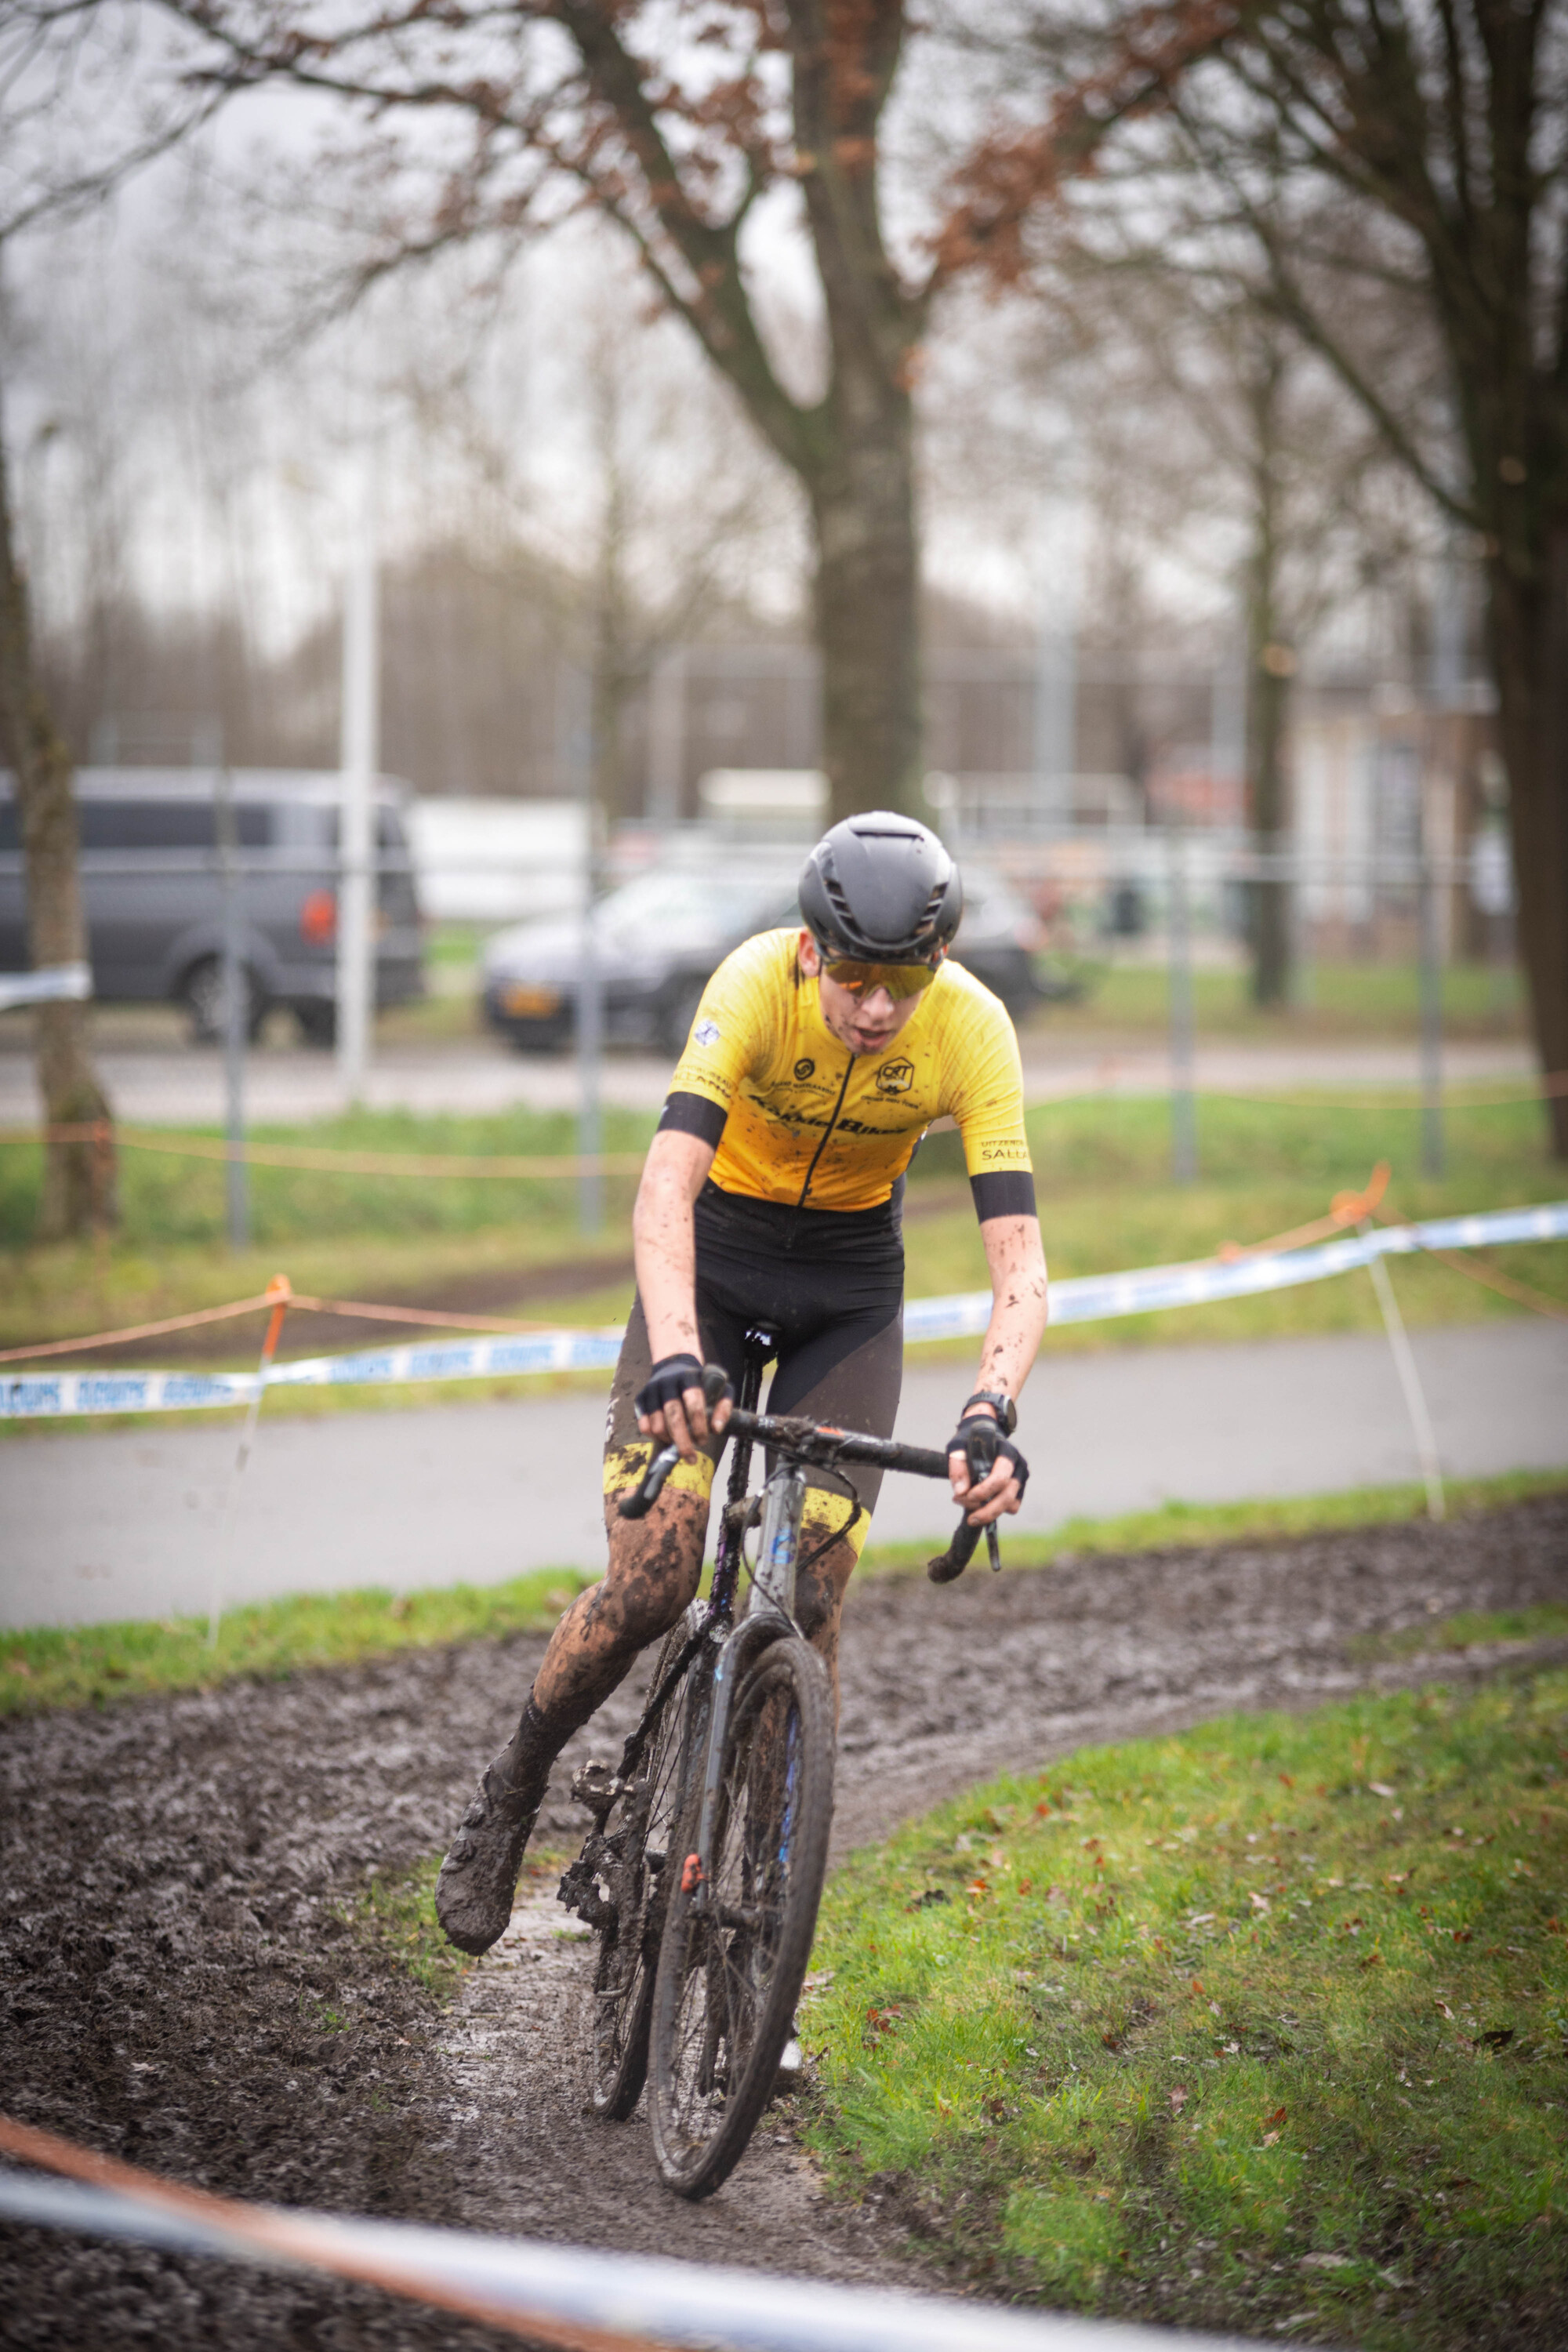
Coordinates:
(530, 1002)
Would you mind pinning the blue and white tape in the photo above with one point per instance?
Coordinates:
(1098, 1297)
(1083, 1298)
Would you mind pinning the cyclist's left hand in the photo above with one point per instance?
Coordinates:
(987, 1472)
(672, 1408)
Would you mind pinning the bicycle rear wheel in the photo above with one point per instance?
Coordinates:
(735, 1947)
(630, 1873)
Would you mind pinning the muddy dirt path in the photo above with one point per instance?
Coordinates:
(184, 1986)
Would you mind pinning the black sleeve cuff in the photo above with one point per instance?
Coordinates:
(1001, 1192)
(686, 1114)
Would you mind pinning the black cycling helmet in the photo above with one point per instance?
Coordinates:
(881, 888)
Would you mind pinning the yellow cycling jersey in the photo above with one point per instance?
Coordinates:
(808, 1124)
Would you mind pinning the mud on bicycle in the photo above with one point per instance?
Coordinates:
(703, 1868)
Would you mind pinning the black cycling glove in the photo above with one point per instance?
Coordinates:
(666, 1383)
(980, 1440)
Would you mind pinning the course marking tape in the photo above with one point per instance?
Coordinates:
(53, 983)
(1083, 1298)
(579, 2288)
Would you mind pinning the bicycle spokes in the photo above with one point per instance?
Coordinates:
(738, 1912)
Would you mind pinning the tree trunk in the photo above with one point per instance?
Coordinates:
(79, 1175)
(1270, 668)
(1267, 704)
(1529, 628)
(868, 616)
(855, 455)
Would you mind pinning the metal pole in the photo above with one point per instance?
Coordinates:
(1055, 716)
(590, 991)
(1410, 1382)
(1430, 916)
(667, 738)
(360, 758)
(236, 1005)
(279, 1292)
(1184, 1117)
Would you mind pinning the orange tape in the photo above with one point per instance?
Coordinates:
(323, 1160)
(269, 1297)
(1344, 1209)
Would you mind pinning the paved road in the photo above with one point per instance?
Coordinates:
(181, 1086)
(122, 1524)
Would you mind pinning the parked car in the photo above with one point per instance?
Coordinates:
(154, 893)
(659, 937)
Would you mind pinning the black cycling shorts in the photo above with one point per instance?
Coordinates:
(829, 1286)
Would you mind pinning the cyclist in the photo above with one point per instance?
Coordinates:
(772, 1196)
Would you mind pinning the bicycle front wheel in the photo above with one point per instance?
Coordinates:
(736, 1945)
(632, 1854)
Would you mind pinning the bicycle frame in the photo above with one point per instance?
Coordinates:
(736, 1646)
(714, 1631)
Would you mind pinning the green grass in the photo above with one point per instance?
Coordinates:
(1274, 1519)
(89, 1665)
(86, 1664)
(395, 1916)
(1471, 1629)
(1102, 1166)
(167, 1202)
(1264, 2027)
(1340, 1001)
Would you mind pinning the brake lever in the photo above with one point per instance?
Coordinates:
(961, 1549)
(643, 1496)
(641, 1500)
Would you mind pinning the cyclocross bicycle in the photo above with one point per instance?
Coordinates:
(703, 1869)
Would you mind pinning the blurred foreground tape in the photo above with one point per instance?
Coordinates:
(1087, 1298)
(575, 2297)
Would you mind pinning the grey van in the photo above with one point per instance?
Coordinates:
(153, 892)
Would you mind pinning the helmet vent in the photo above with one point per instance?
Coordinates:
(933, 907)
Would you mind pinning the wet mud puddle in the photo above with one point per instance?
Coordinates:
(187, 1979)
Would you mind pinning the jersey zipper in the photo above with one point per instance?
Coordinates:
(848, 1070)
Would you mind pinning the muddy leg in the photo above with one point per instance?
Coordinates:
(819, 1603)
(654, 1567)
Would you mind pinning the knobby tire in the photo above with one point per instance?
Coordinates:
(734, 1951)
(639, 1832)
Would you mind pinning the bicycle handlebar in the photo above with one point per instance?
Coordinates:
(819, 1444)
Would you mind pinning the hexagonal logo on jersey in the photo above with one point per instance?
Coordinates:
(895, 1077)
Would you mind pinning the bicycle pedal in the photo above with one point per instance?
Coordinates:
(595, 1785)
(579, 1891)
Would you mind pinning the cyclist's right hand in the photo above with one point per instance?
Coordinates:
(671, 1405)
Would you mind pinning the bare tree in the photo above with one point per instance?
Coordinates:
(1414, 153)
(676, 129)
(78, 1189)
(669, 512)
(61, 67)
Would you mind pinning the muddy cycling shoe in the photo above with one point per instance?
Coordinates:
(478, 1877)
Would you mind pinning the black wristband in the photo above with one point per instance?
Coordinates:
(666, 1383)
(983, 1443)
(1001, 1404)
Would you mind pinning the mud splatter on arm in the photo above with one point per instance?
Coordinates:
(664, 1242)
(1020, 1301)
